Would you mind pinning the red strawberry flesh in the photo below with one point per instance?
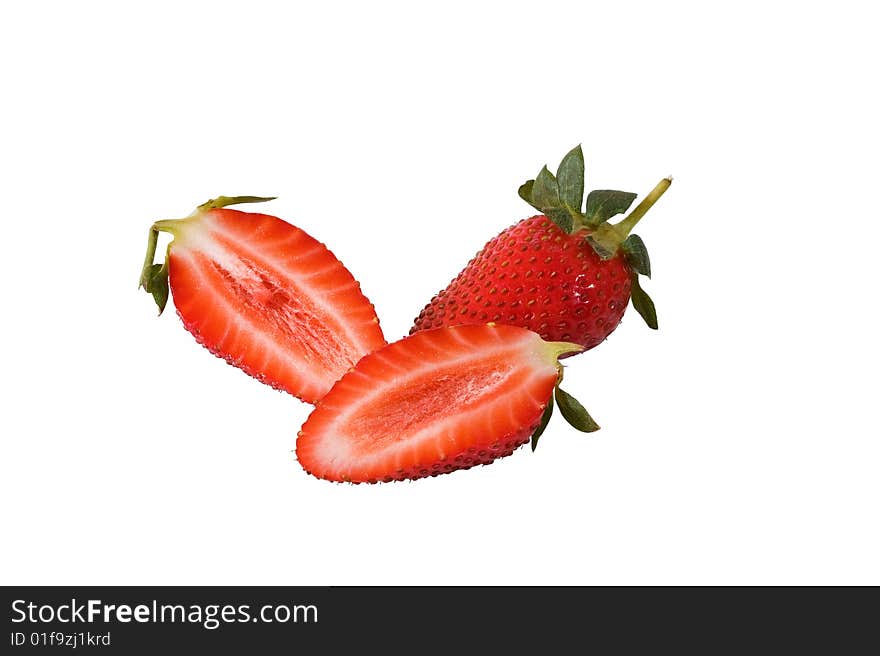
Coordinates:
(432, 403)
(269, 298)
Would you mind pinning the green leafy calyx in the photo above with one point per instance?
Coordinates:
(643, 303)
(602, 204)
(636, 255)
(570, 408)
(573, 412)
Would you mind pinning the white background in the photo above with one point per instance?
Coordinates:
(739, 443)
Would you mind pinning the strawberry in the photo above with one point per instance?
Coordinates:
(567, 274)
(435, 402)
(263, 295)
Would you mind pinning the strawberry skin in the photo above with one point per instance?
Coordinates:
(536, 276)
(433, 403)
(566, 274)
(265, 296)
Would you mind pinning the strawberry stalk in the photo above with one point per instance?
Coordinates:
(154, 277)
(627, 224)
(607, 238)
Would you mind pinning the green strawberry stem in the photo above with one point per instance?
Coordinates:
(624, 227)
(607, 238)
(226, 201)
(154, 277)
(152, 243)
(148, 271)
(556, 349)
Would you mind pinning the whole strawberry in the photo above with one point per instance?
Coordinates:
(566, 274)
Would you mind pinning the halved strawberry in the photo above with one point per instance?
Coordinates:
(435, 402)
(263, 295)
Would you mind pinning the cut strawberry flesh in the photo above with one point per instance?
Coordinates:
(432, 403)
(271, 300)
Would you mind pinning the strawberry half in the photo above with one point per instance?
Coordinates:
(436, 402)
(567, 274)
(263, 295)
